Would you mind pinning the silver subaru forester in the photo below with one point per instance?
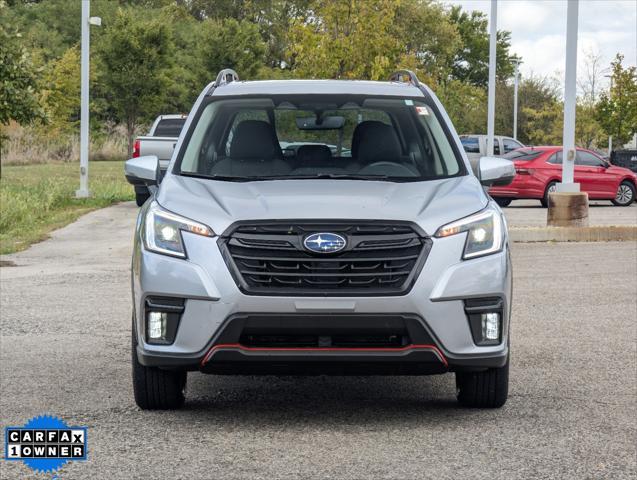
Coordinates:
(320, 227)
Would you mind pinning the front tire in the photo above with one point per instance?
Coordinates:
(140, 198)
(486, 389)
(502, 201)
(154, 388)
(551, 187)
(625, 194)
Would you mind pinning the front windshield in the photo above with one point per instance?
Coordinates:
(318, 136)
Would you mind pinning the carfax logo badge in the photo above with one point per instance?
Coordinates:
(45, 443)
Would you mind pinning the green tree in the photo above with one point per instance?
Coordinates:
(229, 44)
(135, 57)
(465, 104)
(47, 26)
(617, 109)
(61, 92)
(347, 39)
(538, 101)
(471, 61)
(428, 36)
(18, 84)
(273, 19)
(369, 39)
(587, 129)
(51, 27)
(544, 126)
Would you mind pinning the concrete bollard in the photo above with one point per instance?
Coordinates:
(567, 209)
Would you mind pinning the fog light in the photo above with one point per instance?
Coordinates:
(157, 325)
(490, 326)
(162, 319)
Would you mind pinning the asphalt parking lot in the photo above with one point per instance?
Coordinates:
(572, 410)
(529, 213)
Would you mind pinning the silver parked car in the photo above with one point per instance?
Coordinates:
(160, 142)
(368, 248)
(476, 147)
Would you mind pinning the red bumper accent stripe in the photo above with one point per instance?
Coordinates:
(238, 346)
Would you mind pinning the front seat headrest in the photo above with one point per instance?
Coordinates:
(379, 142)
(359, 131)
(255, 139)
(313, 156)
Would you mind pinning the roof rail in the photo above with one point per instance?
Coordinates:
(225, 76)
(404, 76)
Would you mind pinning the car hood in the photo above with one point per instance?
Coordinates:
(218, 204)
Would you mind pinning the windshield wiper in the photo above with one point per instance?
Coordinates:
(336, 176)
(332, 176)
(224, 178)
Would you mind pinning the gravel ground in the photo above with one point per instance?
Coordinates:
(572, 410)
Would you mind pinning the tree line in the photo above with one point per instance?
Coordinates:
(154, 56)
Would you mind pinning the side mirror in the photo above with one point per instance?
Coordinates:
(142, 170)
(495, 171)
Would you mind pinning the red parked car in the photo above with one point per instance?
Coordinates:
(539, 169)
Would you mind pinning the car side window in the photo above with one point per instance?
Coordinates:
(556, 158)
(510, 145)
(470, 144)
(587, 159)
(496, 146)
(169, 127)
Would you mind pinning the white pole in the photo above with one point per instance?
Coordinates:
(493, 23)
(610, 137)
(83, 191)
(515, 102)
(570, 80)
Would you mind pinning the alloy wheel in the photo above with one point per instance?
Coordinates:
(624, 194)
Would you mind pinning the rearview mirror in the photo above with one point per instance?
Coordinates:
(142, 170)
(324, 123)
(493, 171)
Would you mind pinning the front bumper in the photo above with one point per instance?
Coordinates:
(435, 307)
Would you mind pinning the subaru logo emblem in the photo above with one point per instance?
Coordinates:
(324, 242)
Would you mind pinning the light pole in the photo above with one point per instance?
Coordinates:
(570, 85)
(516, 62)
(568, 207)
(493, 28)
(84, 135)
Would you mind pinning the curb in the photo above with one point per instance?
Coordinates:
(600, 233)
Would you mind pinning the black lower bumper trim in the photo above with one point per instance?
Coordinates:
(226, 352)
(412, 358)
(323, 368)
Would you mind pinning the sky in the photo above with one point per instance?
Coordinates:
(538, 31)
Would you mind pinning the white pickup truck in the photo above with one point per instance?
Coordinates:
(476, 146)
(160, 141)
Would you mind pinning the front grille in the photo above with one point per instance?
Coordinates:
(379, 258)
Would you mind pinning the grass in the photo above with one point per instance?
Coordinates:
(36, 199)
(31, 145)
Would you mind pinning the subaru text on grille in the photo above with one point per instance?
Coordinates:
(320, 227)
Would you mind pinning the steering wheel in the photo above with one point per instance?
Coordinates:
(396, 169)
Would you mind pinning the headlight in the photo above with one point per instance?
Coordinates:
(162, 231)
(485, 233)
